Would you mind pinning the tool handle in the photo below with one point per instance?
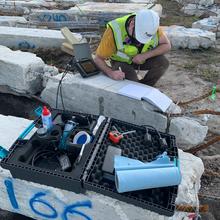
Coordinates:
(128, 132)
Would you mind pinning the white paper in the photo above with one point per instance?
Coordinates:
(147, 93)
(135, 91)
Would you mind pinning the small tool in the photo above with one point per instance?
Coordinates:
(98, 124)
(69, 126)
(80, 153)
(116, 136)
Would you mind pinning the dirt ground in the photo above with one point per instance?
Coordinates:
(190, 75)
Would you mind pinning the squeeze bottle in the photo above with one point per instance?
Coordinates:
(46, 118)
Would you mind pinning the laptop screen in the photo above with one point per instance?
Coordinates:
(82, 51)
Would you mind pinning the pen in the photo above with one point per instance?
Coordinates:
(120, 70)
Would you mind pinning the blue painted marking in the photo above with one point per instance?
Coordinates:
(71, 210)
(36, 199)
(26, 45)
(11, 193)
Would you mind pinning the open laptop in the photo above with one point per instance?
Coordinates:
(83, 60)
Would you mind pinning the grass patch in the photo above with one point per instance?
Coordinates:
(190, 65)
(209, 74)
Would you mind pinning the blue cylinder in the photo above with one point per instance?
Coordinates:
(132, 175)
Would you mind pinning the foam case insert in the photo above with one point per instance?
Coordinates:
(88, 174)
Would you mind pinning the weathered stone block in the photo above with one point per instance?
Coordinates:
(188, 132)
(98, 95)
(12, 21)
(209, 24)
(29, 38)
(21, 71)
(191, 38)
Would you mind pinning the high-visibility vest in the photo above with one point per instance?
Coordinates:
(126, 52)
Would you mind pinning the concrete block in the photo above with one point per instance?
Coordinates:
(114, 9)
(10, 128)
(188, 132)
(98, 95)
(13, 10)
(12, 21)
(205, 3)
(191, 38)
(56, 19)
(209, 24)
(94, 13)
(29, 38)
(192, 169)
(28, 4)
(43, 202)
(21, 71)
(199, 10)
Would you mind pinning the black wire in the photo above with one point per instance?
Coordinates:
(59, 88)
(60, 82)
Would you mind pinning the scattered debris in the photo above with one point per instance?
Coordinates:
(204, 146)
(191, 38)
(210, 24)
(188, 132)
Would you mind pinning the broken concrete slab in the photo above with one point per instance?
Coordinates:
(105, 12)
(188, 132)
(21, 71)
(28, 4)
(192, 38)
(94, 14)
(205, 3)
(209, 24)
(193, 165)
(57, 19)
(113, 10)
(93, 205)
(12, 21)
(49, 71)
(10, 129)
(13, 10)
(98, 95)
(30, 38)
(199, 10)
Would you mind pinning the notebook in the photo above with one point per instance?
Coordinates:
(147, 93)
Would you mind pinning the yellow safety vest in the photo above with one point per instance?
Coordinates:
(126, 52)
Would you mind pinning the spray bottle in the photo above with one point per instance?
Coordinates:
(46, 118)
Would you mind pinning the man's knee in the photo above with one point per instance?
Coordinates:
(163, 62)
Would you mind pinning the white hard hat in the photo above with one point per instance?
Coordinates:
(146, 25)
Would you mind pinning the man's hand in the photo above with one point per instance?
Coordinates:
(117, 75)
(139, 58)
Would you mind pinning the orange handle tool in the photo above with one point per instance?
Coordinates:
(115, 136)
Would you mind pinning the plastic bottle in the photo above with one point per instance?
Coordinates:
(46, 118)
